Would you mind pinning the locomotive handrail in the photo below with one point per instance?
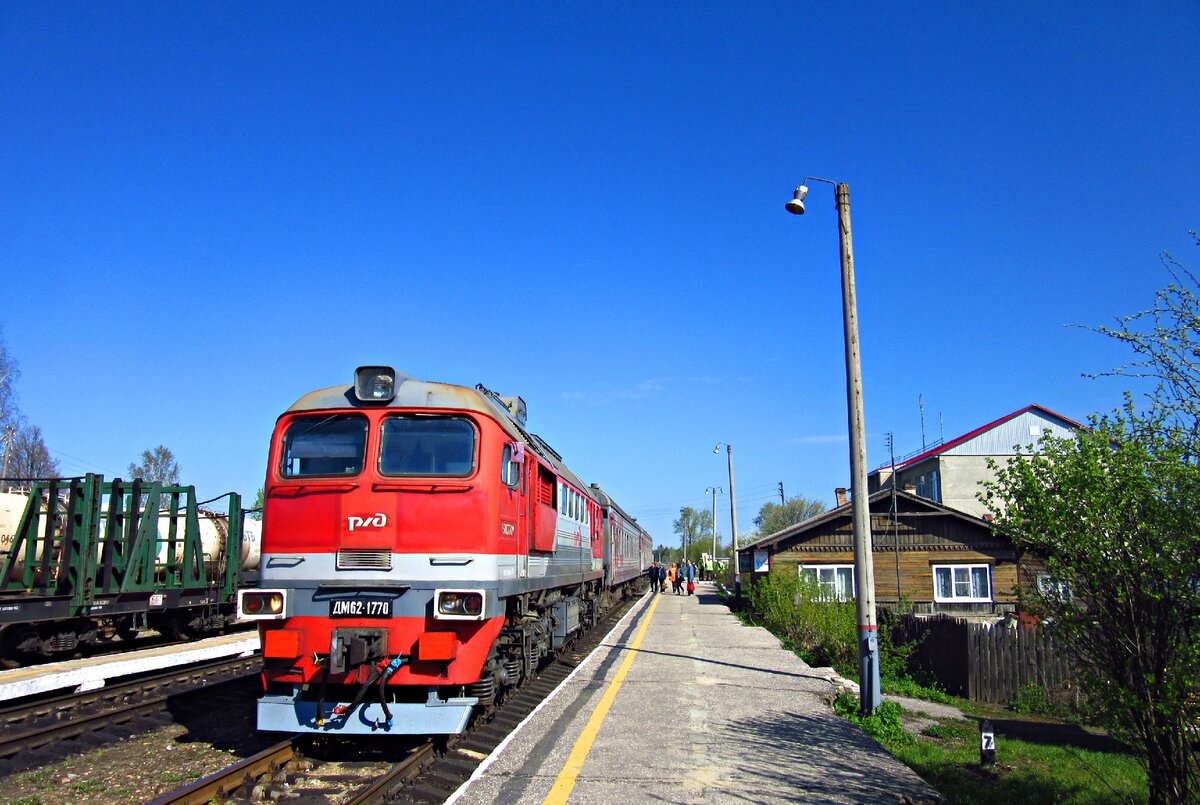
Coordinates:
(310, 489)
(422, 487)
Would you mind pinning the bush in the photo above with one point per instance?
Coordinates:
(884, 725)
(822, 632)
(1038, 700)
(825, 632)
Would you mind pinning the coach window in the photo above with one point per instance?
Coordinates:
(427, 447)
(323, 446)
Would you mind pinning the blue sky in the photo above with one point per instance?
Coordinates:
(208, 210)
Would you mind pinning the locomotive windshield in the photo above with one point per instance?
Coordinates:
(427, 446)
(324, 445)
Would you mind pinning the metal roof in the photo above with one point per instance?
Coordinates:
(797, 529)
(966, 437)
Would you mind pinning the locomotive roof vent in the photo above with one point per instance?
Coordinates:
(516, 409)
(375, 384)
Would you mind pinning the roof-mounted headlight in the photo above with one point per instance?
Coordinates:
(374, 384)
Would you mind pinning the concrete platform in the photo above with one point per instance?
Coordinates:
(702, 710)
(92, 673)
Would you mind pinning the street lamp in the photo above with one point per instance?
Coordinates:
(714, 490)
(864, 571)
(733, 546)
(686, 529)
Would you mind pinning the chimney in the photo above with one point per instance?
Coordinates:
(840, 494)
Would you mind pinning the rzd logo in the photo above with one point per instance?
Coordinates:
(378, 520)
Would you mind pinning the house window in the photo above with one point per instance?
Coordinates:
(1053, 588)
(962, 583)
(836, 581)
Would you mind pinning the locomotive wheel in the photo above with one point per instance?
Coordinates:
(126, 631)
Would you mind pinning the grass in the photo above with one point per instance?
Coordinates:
(88, 787)
(946, 755)
(1041, 757)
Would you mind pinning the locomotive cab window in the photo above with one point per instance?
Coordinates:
(322, 446)
(427, 446)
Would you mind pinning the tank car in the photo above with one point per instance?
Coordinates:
(422, 552)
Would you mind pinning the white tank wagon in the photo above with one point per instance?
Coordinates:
(213, 528)
(12, 506)
(82, 560)
(214, 531)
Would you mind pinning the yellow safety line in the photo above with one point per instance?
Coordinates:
(565, 782)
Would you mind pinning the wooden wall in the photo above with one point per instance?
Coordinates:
(913, 540)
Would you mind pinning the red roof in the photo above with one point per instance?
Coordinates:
(941, 448)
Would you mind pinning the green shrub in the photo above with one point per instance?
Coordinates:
(1036, 699)
(826, 633)
(884, 724)
(822, 632)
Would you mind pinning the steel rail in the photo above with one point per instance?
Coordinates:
(221, 784)
(61, 718)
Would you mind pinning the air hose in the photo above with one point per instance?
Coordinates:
(379, 673)
(321, 695)
(392, 667)
(346, 709)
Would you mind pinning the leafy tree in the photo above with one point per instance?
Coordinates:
(259, 502)
(774, 517)
(697, 526)
(29, 457)
(158, 465)
(1166, 340)
(1114, 514)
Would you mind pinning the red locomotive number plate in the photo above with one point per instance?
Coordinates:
(359, 608)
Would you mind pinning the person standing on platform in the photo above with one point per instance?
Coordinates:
(662, 576)
(691, 578)
(652, 576)
(672, 575)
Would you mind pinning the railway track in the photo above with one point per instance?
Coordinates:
(302, 770)
(28, 727)
(286, 771)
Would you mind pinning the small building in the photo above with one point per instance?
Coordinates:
(932, 556)
(950, 472)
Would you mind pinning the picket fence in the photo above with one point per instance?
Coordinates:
(986, 662)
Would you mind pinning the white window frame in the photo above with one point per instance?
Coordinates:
(837, 595)
(962, 599)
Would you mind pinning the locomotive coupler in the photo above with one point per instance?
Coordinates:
(351, 648)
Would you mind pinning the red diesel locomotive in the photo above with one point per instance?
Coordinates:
(422, 551)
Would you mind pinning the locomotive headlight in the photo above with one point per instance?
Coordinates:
(459, 605)
(375, 383)
(261, 604)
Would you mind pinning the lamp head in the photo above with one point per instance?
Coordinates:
(717, 449)
(796, 205)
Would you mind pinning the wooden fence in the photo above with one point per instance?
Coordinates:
(986, 662)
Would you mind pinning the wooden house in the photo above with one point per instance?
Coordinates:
(936, 558)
